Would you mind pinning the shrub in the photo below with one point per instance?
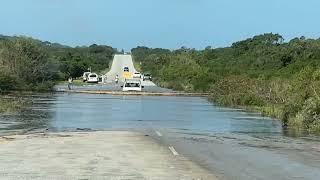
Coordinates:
(7, 81)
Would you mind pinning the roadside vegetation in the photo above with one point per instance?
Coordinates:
(28, 64)
(264, 73)
(32, 65)
(11, 104)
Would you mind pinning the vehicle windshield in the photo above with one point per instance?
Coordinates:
(132, 85)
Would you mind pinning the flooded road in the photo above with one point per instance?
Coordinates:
(191, 113)
(232, 143)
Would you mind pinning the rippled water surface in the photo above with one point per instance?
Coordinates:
(69, 111)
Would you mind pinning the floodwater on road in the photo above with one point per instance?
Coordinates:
(64, 111)
(233, 143)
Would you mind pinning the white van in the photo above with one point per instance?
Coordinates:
(132, 85)
(93, 78)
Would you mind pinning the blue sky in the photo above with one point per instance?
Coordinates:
(158, 23)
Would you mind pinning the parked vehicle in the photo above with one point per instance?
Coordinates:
(147, 76)
(132, 85)
(93, 78)
(85, 76)
(126, 69)
(137, 75)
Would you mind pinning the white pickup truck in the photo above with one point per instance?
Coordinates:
(132, 85)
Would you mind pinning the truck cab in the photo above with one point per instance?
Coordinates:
(132, 85)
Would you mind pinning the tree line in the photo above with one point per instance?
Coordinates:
(30, 64)
(263, 73)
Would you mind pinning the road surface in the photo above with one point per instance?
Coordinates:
(93, 155)
(242, 157)
(119, 62)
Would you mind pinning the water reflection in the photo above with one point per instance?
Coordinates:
(62, 111)
(105, 111)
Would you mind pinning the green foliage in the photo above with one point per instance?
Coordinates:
(29, 64)
(280, 79)
(11, 105)
(74, 61)
(238, 90)
(24, 64)
(309, 116)
(7, 80)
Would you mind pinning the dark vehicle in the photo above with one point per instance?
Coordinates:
(126, 69)
(147, 76)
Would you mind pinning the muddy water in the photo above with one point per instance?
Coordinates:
(233, 143)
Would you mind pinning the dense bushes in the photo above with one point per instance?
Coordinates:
(280, 79)
(238, 90)
(309, 115)
(24, 64)
(7, 80)
(75, 61)
(12, 105)
(29, 64)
